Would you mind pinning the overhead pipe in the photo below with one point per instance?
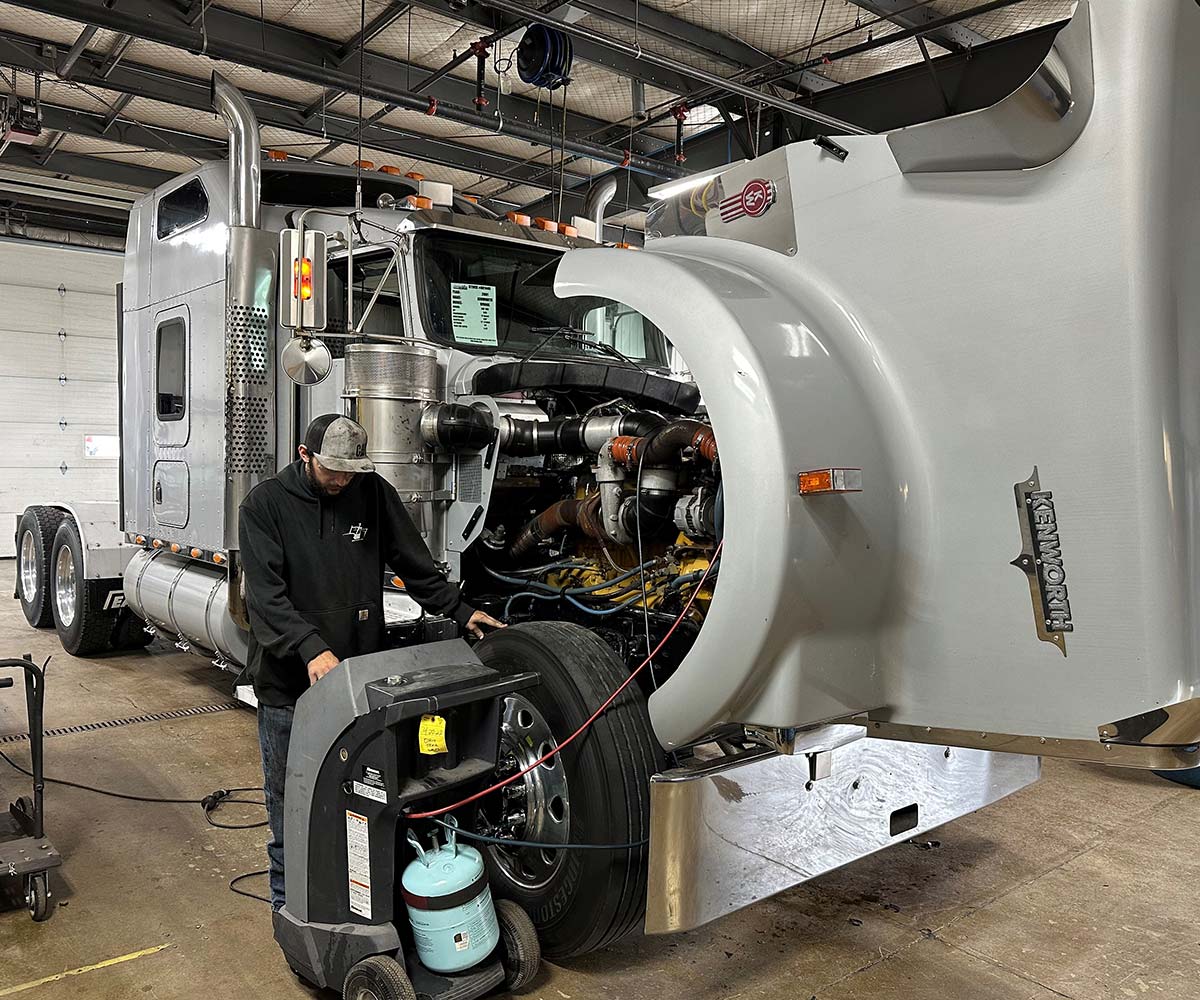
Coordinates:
(245, 152)
(663, 62)
(171, 29)
(597, 201)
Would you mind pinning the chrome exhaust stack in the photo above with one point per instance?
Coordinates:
(245, 152)
(597, 201)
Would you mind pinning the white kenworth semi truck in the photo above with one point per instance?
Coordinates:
(937, 453)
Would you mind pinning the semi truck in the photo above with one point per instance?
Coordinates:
(917, 510)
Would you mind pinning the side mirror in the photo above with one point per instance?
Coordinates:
(303, 302)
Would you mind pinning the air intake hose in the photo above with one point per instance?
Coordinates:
(582, 514)
(662, 447)
(572, 435)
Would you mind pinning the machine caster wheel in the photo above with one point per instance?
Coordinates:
(38, 898)
(379, 977)
(519, 947)
(25, 806)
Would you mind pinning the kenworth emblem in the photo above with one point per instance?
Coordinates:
(1042, 562)
(753, 200)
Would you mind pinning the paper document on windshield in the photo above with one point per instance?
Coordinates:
(473, 313)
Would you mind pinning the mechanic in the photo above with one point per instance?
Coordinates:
(314, 543)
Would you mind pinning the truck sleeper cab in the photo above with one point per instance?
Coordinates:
(950, 502)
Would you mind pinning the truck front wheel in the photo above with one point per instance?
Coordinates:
(35, 539)
(83, 629)
(597, 791)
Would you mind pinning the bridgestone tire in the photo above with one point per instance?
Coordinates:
(41, 523)
(595, 897)
(90, 629)
(379, 976)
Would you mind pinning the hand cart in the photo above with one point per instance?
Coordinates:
(24, 850)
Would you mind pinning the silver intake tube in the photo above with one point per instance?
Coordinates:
(245, 152)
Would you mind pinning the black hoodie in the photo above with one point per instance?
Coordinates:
(314, 569)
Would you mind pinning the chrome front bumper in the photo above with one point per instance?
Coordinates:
(727, 832)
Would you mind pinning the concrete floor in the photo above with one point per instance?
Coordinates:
(1082, 887)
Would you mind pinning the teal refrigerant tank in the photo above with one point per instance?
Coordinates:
(449, 905)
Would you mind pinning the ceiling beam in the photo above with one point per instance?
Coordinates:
(703, 41)
(133, 80)
(94, 167)
(378, 24)
(277, 48)
(482, 14)
(581, 33)
(974, 79)
(906, 14)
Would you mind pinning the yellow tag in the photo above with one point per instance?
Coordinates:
(431, 736)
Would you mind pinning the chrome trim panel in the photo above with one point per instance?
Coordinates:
(731, 832)
(1170, 727)
(1161, 758)
(1036, 123)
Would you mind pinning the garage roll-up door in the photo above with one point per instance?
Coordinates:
(58, 377)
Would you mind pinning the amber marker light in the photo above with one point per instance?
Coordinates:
(830, 481)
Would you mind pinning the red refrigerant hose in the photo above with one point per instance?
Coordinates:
(595, 715)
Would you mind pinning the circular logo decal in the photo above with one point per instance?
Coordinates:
(757, 197)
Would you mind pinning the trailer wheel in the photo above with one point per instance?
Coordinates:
(35, 538)
(379, 977)
(596, 792)
(82, 628)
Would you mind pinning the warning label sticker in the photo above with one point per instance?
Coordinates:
(370, 792)
(358, 863)
(473, 313)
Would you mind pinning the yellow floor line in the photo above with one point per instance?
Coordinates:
(21, 988)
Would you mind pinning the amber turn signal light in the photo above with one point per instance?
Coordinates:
(830, 481)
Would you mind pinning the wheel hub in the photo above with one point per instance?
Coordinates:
(537, 807)
(29, 567)
(66, 594)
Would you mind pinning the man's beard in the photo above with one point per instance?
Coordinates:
(316, 486)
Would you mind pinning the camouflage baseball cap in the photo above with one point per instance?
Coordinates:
(338, 443)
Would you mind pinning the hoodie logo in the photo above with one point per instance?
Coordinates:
(356, 533)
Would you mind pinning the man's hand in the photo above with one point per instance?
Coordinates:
(481, 618)
(319, 666)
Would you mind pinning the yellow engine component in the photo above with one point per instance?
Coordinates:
(600, 567)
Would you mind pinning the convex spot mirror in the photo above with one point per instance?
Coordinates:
(306, 360)
(303, 300)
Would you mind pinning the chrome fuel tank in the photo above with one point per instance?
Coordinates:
(187, 600)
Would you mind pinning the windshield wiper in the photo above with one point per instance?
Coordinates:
(574, 335)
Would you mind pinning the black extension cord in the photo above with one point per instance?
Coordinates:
(209, 804)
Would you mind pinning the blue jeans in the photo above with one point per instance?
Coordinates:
(274, 735)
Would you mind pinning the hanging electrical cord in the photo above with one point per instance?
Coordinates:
(362, 57)
(637, 521)
(433, 813)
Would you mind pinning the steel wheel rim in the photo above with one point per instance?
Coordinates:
(29, 567)
(66, 591)
(365, 993)
(536, 808)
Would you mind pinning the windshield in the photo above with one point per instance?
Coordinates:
(476, 295)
